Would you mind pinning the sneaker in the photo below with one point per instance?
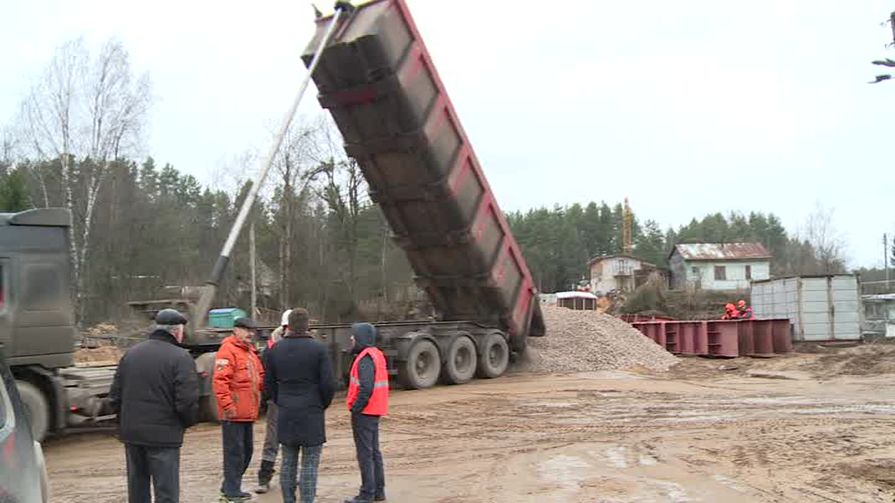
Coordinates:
(381, 497)
(358, 499)
(262, 488)
(242, 498)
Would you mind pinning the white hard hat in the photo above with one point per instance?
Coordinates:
(284, 321)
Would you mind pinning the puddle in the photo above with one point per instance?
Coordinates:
(674, 492)
(568, 471)
(729, 482)
(617, 457)
(647, 460)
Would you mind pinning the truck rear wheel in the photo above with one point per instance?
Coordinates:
(495, 356)
(421, 368)
(460, 362)
(208, 409)
(36, 407)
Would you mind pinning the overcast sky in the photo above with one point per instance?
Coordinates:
(685, 107)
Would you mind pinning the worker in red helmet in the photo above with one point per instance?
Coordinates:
(745, 311)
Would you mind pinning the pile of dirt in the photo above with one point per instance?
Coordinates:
(101, 330)
(866, 359)
(584, 341)
(103, 355)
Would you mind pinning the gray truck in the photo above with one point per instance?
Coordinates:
(38, 333)
(37, 325)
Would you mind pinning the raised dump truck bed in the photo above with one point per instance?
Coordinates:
(379, 83)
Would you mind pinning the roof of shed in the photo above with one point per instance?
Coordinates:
(722, 251)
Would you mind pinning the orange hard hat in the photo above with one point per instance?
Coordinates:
(729, 307)
(741, 303)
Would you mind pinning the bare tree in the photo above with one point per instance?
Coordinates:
(828, 246)
(87, 112)
(341, 188)
(295, 167)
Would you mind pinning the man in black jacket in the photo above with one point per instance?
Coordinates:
(299, 379)
(156, 396)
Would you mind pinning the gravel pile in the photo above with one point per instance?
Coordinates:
(583, 341)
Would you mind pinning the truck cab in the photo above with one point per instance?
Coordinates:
(37, 323)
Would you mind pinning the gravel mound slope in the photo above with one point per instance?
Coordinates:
(584, 341)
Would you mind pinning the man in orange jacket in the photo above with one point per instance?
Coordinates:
(238, 382)
(368, 401)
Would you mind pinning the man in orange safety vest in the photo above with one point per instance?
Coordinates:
(368, 401)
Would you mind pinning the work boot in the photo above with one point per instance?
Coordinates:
(241, 498)
(379, 497)
(265, 474)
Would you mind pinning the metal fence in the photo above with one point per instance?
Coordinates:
(877, 287)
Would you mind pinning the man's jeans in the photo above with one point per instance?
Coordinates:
(310, 461)
(369, 459)
(237, 439)
(161, 465)
(271, 446)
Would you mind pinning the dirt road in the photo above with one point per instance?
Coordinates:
(696, 434)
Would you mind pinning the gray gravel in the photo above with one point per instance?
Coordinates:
(584, 341)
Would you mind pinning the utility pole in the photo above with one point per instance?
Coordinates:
(886, 258)
(254, 297)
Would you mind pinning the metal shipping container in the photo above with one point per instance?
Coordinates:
(822, 308)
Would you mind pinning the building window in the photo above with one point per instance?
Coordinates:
(695, 270)
(748, 272)
(720, 273)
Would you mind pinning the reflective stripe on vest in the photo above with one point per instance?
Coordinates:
(378, 403)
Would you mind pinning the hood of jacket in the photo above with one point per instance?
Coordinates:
(364, 336)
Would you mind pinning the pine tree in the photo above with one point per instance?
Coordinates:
(14, 192)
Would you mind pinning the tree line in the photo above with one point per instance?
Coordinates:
(143, 230)
(559, 242)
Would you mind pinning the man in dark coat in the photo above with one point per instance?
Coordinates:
(156, 396)
(299, 379)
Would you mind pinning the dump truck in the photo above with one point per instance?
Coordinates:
(377, 80)
(375, 76)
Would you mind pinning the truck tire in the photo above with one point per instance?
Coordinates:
(36, 407)
(208, 409)
(421, 368)
(495, 356)
(460, 361)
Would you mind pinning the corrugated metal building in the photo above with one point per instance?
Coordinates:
(718, 266)
(821, 308)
